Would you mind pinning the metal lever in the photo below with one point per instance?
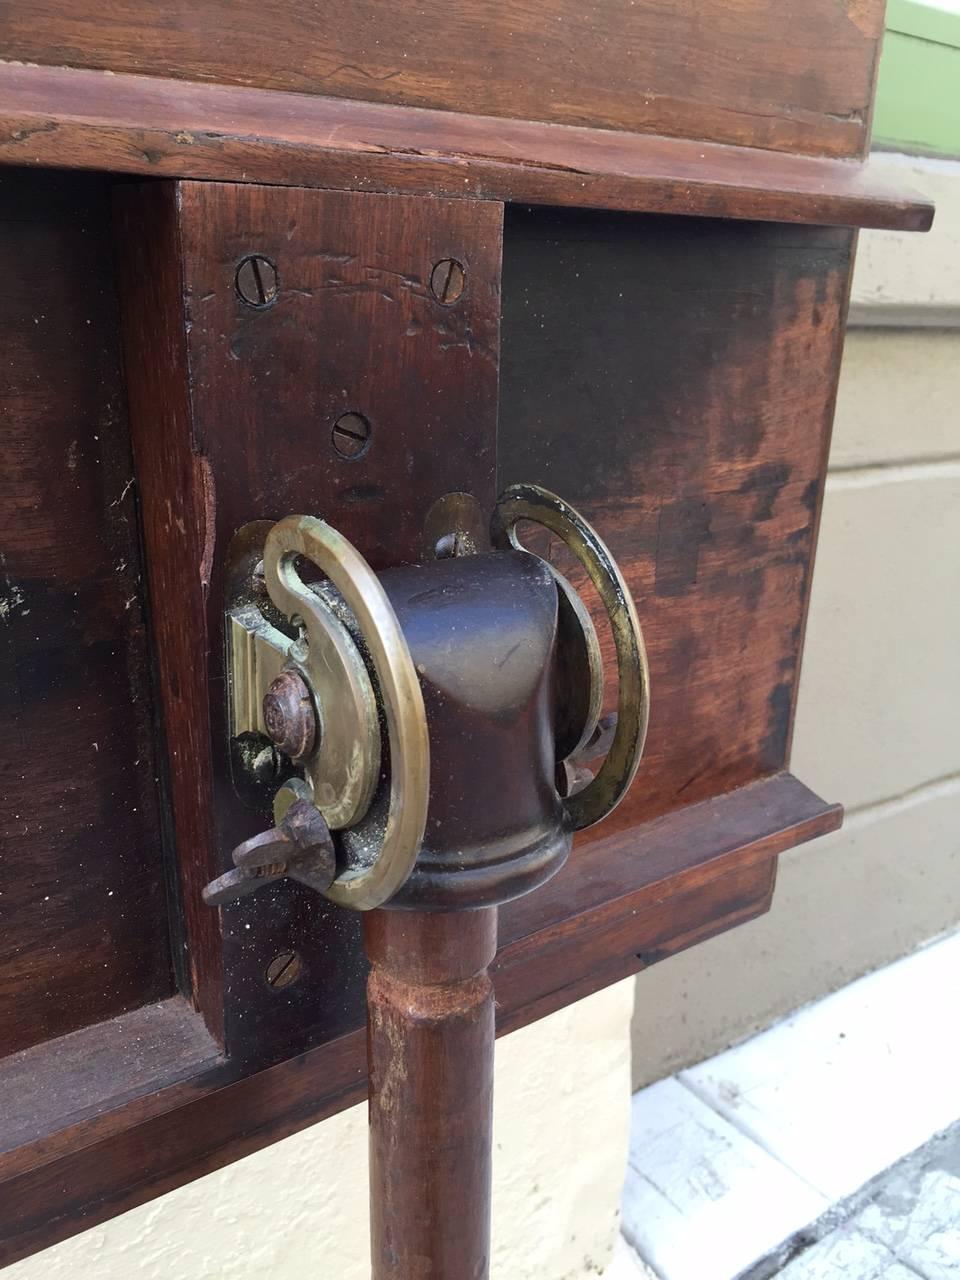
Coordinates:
(300, 846)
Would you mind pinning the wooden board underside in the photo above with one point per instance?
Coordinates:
(687, 412)
(63, 118)
(743, 73)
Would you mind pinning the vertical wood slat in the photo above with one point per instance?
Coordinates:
(233, 410)
(175, 498)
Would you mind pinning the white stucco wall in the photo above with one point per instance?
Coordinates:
(299, 1209)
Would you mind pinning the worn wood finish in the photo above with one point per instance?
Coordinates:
(241, 430)
(101, 1067)
(176, 494)
(84, 933)
(596, 912)
(135, 124)
(617, 905)
(687, 412)
(430, 1029)
(746, 74)
(672, 376)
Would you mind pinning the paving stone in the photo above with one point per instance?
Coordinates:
(701, 1201)
(847, 1254)
(916, 1213)
(844, 1089)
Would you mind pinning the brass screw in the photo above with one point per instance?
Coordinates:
(284, 970)
(288, 715)
(351, 435)
(257, 282)
(447, 280)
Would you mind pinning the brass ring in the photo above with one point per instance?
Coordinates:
(370, 887)
(531, 502)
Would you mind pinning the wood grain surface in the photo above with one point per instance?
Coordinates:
(137, 124)
(749, 73)
(83, 912)
(634, 900)
(233, 409)
(675, 379)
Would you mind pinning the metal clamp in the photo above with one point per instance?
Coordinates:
(530, 502)
(371, 885)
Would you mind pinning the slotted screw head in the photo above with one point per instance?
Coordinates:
(284, 969)
(256, 280)
(447, 280)
(351, 435)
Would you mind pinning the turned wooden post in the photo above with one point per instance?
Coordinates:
(430, 1028)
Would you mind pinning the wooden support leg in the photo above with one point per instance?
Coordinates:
(430, 1021)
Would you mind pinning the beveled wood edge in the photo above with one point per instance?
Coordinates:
(102, 1067)
(611, 916)
(60, 117)
(176, 497)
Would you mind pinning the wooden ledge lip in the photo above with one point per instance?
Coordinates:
(59, 117)
(629, 899)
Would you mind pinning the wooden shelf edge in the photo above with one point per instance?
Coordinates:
(60, 117)
(101, 1068)
(622, 903)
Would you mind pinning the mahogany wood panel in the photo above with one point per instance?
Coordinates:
(687, 411)
(176, 494)
(233, 409)
(84, 932)
(101, 1067)
(746, 73)
(134, 124)
(627, 902)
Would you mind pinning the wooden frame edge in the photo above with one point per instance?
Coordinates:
(677, 890)
(64, 118)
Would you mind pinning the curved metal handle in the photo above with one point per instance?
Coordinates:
(364, 888)
(530, 502)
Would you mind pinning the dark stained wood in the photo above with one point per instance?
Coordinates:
(749, 74)
(137, 124)
(233, 410)
(673, 376)
(101, 1067)
(175, 496)
(83, 932)
(616, 906)
(430, 1030)
(686, 412)
(592, 912)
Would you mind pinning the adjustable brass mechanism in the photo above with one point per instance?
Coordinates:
(482, 658)
(607, 789)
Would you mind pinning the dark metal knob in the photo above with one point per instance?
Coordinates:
(288, 714)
